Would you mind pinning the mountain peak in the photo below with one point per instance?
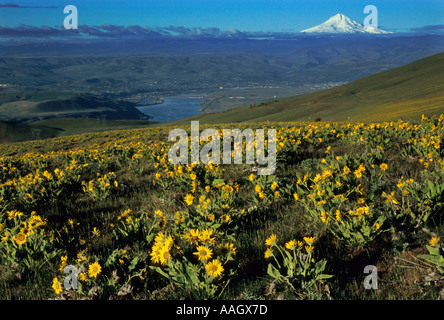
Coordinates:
(339, 16)
(340, 23)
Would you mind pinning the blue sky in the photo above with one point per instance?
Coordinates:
(244, 15)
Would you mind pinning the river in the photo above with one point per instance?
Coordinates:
(174, 108)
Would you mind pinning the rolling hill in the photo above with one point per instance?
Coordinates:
(404, 93)
(34, 105)
(11, 132)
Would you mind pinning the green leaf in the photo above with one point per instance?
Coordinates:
(133, 263)
(438, 260)
(112, 258)
(324, 276)
(217, 181)
(160, 271)
(431, 186)
(272, 271)
(149, 237)
(433, 250)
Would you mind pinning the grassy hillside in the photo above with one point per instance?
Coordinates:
(15, 132)
(406, 92)
(343, 196)
(25, 105)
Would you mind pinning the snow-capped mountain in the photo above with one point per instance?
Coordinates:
(342, 24)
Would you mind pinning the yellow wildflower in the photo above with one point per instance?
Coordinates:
(96, 232)
(434, 241)
(228, 249)
(57, 286)
(291, 245)
(63, 262)
(94, 269)
(274, 185)
(268, 253)
(164, 254)
(214, 268)
(324, 217)
(13, 214)
(338, 215)
(189, 199)
(225, 218)
(205, 236)
(20, 238)
(192, 236)
(271, 240)
(203, 253)
(310, 240)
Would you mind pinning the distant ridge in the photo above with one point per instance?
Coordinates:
(339, 23)
(404, 93)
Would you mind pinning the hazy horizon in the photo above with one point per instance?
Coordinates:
(246, 16)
